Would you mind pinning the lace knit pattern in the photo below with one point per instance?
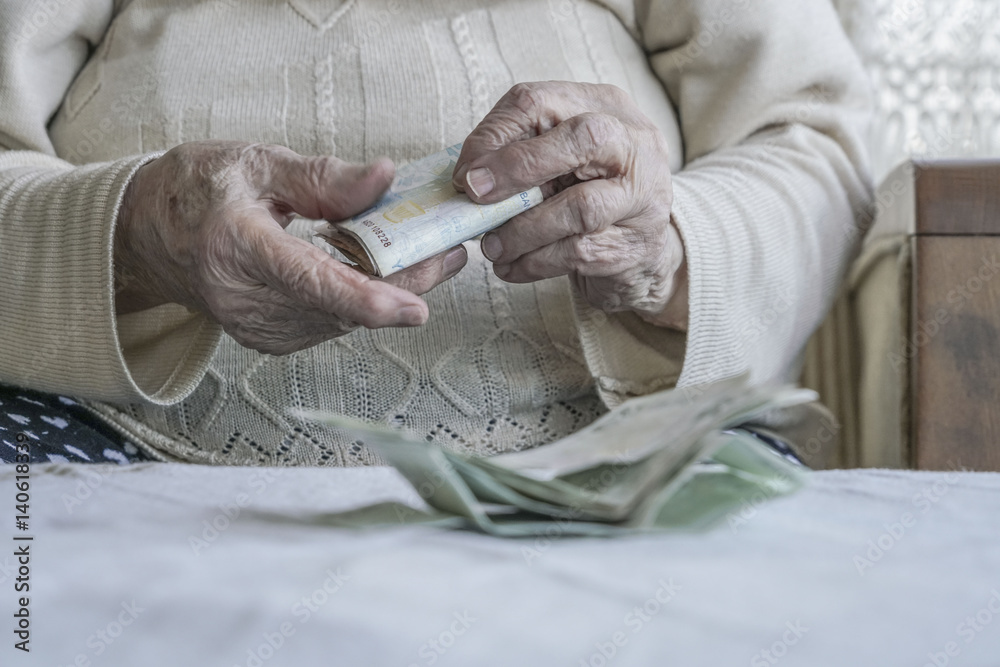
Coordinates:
(497, 368)
(765, 203)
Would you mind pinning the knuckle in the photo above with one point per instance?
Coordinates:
(591, 127)
(529, 161)
(585, 250)
(594, 130)
(525, 96)
(590, 209)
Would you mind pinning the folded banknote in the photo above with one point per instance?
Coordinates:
(675, 459)
(420, 216)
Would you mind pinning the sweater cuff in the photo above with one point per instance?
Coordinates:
(627, 356)
(59, 328)
(714, 351)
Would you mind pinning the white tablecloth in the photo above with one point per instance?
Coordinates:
(861, 568)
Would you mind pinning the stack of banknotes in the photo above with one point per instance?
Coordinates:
(420, 216)
(677, 459)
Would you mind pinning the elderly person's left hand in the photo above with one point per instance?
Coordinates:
(605, 222)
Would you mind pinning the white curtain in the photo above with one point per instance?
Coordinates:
(935, 65)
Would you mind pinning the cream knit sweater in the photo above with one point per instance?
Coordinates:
(763, 104)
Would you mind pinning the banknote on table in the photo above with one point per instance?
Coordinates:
(676, 459)
(420, 216)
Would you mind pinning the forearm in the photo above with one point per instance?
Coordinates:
(60, 330)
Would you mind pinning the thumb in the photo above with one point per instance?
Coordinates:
(311, 277)
(326, 187)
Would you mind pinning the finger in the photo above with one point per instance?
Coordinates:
(587, 146)
(317, 280)
(324, 187)
(288, 328)
(530, 109)
(593, 255)
(586, 208)
(428, 274)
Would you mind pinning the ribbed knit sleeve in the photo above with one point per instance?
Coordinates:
(58, 325)
(773, 106)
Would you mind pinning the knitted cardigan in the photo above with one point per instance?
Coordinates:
(763, 104)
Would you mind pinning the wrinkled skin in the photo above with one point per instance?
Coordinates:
(605, 222)
(203, 226)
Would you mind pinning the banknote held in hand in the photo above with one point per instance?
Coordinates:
(420, 216)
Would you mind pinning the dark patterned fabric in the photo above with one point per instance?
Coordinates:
(58, 429)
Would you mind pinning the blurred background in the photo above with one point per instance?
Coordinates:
(909, 358)
(935, 65)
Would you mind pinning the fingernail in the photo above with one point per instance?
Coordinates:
(480, 181)
(411, 316)
(454, 261)
(492, 248)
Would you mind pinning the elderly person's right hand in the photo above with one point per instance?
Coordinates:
(203, 226)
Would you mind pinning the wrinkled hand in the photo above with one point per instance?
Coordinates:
(605, 222)
(203, 226)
